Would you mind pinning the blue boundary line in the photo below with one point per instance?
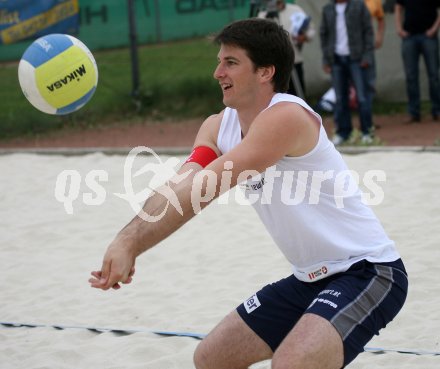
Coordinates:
(103, 329)
(200, 336)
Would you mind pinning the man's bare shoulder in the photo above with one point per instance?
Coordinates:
(214, 118)
(212, 124)
(208, 132)
(292, 121)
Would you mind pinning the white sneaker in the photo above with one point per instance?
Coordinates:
(366, 139)
(337, 140)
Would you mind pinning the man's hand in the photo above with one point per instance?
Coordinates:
(402, 33)
(117, 267)
(300, 39)
(431, 32)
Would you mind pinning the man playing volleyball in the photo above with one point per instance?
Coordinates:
(348, 281)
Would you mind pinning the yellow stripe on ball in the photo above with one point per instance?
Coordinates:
(66, 78)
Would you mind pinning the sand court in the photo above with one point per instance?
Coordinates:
(193, 278)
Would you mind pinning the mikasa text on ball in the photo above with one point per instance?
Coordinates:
(58, 74)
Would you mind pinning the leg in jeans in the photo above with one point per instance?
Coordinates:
(370, 81)
(340, 80)
(430, 52)
(363, 98)
(410, 56)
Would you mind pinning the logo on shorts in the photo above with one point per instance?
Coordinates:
(251, 304)
(318, 273)
(323, 301)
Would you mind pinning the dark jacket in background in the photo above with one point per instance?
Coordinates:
(359, 29)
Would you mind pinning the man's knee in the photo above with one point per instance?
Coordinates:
(312, 344)
(300, 360)
(296, 360)
(201, 356)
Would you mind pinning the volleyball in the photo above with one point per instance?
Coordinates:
(58, 74)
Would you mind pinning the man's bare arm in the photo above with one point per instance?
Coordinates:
(141, 233)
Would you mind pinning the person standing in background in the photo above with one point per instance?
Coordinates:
(293, 19)
(347, 42)
(301, 29)
(417, 23)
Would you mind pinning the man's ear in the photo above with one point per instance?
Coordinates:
(267, 73)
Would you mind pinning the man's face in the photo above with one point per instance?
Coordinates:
(237, 76)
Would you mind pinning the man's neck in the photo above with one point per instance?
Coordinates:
(247, 115)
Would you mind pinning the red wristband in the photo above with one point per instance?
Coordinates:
(202, 155)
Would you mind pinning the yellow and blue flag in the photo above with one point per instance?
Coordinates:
(29, 19)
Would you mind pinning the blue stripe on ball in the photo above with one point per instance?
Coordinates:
(77, 104)
(45, 48)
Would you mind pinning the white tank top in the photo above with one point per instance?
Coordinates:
(312, 206)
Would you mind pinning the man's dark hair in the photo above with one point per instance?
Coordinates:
(266, 43)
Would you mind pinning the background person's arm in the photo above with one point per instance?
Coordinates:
(398, 18)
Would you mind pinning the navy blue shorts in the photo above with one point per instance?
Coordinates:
(358, 303)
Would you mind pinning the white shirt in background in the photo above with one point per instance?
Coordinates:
(341, 47)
